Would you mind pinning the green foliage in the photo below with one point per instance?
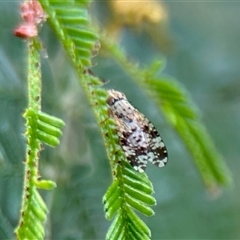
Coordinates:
(70, 21)
(178, 109)
(40, 128)
(127, 196)
(130, 190)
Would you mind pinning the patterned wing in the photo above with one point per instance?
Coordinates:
(157, 151)
(133, 142)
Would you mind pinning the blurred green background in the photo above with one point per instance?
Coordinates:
(200, 43)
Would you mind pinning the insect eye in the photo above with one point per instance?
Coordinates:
(110, 101)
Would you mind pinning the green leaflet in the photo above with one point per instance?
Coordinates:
(136, 184)
(138, 205)
(50, 120)
(45, 184)
(140, 195)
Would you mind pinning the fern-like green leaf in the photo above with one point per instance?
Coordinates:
(39, 128)
(185, 119)
(34, 210)
(70, 21)
(123, 196)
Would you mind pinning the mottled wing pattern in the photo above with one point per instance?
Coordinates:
(139, 139)
(134, 143)
(157, 151)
